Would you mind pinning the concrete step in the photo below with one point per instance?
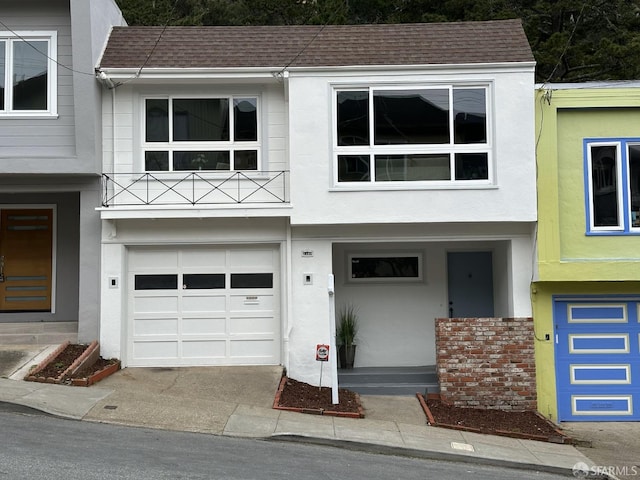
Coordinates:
(38, 333)
(390, 380)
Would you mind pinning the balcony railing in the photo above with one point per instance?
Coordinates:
(195, 188)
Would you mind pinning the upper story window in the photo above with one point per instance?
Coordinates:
(433, 135)
(191, 134)
(27, 73)
(612, 185)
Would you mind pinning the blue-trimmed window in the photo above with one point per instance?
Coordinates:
(612, 185)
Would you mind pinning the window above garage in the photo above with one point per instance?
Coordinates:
(201, 134)
(425, 135)
(612, 186)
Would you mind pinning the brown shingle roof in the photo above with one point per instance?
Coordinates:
(314, 46)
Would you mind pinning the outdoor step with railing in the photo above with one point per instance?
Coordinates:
(390, 380)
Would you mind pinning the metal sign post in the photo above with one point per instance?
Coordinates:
(333, 360)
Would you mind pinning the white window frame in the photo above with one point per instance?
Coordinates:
(450, 148)
(351, 256)
(7, 40)
(209, 146)
(623, 194)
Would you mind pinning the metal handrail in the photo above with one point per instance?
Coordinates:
(194, 188)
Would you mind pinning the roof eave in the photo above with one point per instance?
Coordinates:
(276, 72)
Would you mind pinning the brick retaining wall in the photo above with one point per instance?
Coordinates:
(486, 362)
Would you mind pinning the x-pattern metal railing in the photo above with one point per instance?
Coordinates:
(194, 188)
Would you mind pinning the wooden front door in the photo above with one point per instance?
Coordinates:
(25, 260)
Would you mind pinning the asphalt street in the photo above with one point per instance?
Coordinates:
(36, 446)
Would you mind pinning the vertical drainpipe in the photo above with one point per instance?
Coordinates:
(289, 284)
(289, 248)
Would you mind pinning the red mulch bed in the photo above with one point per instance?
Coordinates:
(64, 360)
(523, 424)
(297, 394)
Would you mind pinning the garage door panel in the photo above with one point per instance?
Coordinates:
(600, 374)
(204, 326)
(212, 306)
(153, 259)
(252, 348)
(597, 313)
(155, 350)
(597, 359)
(598, 343)
(155, 304)
(204, 303)
(252, 325)
(204, 259)
(251, 303)
(155, 326)
(598, 405)
(251, 259)
(204, 349)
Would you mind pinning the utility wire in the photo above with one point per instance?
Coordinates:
(567, 45)
(153, 49)
(313, 39)
(4, 25)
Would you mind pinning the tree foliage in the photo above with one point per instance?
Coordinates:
(572, 40)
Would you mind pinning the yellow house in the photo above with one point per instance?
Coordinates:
(586, 294)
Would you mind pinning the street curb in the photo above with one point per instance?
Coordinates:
(423, 454)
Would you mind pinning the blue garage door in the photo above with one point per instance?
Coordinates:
(598, 359)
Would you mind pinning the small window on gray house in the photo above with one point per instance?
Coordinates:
(27, 73)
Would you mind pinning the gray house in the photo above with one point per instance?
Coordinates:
(50, 164)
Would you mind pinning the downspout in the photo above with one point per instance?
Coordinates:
(289, 255)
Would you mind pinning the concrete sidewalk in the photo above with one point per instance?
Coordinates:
(237, 401)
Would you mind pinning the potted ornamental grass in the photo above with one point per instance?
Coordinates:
(346, 333)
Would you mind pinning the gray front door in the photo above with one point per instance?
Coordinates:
(470, 284)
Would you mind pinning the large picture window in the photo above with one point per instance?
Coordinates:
(438, 134)
(193, 134)
(27, 73)
(612, 185)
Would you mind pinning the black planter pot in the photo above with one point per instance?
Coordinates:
(347, 355)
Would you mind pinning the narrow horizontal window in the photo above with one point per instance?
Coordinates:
(156, 282)
(385, 267)
(201, 161)
(252, 280)
(392, 168)
(203, 280)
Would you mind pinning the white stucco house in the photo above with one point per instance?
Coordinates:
(244, 165)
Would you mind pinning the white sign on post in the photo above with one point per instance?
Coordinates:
(322, 353)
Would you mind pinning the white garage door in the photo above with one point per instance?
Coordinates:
(203, 306)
